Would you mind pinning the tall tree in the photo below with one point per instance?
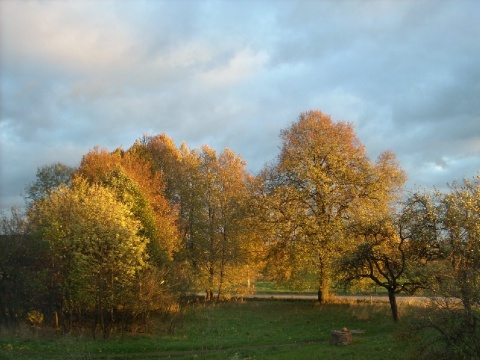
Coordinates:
(225, 180)
(323, 179)
(209, 190)
(213, 204)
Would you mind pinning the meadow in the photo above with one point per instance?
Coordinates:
(252, 329)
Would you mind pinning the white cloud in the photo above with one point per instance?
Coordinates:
(240, 67)
(76, 36)
(83, 73)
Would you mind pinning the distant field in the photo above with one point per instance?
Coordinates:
(255, 329)
(267, 287)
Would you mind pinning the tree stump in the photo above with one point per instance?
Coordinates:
(343, 337)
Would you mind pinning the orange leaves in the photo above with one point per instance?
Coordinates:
(139, 184)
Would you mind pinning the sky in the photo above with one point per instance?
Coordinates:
(233, 73)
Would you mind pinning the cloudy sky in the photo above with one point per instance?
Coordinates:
(76, 74)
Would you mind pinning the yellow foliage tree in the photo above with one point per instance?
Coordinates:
(322, 180)
(96, 251)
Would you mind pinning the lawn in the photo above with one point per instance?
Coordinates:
(255, 329)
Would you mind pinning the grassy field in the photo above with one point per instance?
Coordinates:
(260, 329)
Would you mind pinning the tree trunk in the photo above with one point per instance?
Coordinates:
(393, 303)
(102, 321)
(320, 295)
(469, 313)
(222, 272)
(323, 280)
(323, 294)
(94, 322)
(209, 295)
(211, 276)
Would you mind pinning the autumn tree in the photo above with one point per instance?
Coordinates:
(233, 204)
(322, 180)
(447, 227)
(180, 170)
(376, 249)
(211, 198)
(380, 254)
(137, 182)
(210, 192)
(224, 239)
(140, 187)
(168, 160)
(96, 252)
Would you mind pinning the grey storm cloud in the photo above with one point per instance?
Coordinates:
(233, 74)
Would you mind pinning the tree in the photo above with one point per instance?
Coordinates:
(447, 227)
(23, 272)
(161, 151)
(383, 256)
(210, 192)
(96, 252)
(213, 197)
(14, 223)
(323, 179)
(141, 188)
(227, 209)
(49, 177)
(138, 182)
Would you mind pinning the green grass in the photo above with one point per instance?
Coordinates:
(268, 329)
(267, 287)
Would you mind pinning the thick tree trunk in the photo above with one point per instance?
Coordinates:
(320, 295)
(393, 303)
(323, 280)
(323, 294)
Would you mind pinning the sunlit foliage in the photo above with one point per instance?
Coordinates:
(139, 187)
(95, 250)
(447, 227)
(322, 181)
(210, 192)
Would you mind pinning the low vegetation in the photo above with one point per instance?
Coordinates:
(254, 329)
